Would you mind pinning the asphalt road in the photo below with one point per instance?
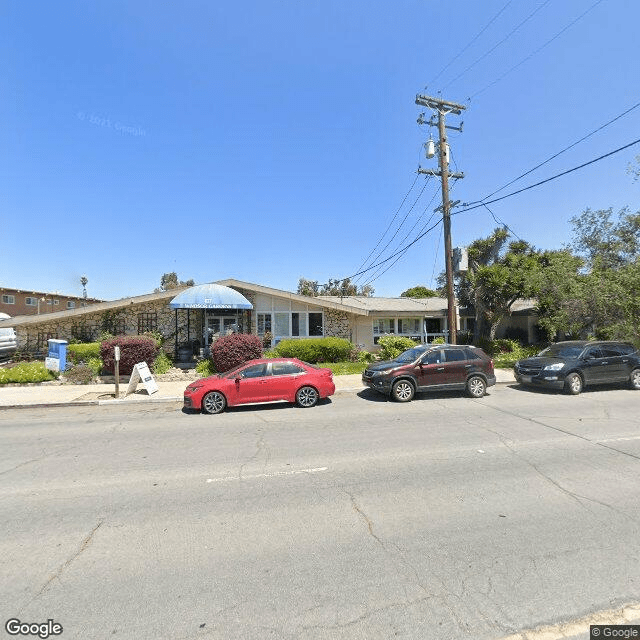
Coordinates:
(360, 518)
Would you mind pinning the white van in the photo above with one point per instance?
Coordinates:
(8, 339)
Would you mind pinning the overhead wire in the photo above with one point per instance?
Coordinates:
(465, 48)
(555, 155)
(501, 42)
(547, 43)
(403, 220)
(394, 217)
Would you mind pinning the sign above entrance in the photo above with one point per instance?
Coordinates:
(210, 296)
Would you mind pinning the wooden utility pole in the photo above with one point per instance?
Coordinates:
(443, 107)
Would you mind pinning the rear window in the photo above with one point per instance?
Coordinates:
(285, 368)
(455, 355)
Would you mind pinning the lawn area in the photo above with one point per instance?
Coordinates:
(344, 368)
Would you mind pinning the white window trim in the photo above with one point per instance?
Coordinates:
(9, 299)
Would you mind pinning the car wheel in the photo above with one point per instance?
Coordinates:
(403, 391)
(213, 402)
(476, 386)
(634, 380)
(306, 397)
(573, 384)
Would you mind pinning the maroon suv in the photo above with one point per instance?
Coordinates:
(432, 368)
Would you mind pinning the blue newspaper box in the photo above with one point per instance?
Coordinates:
(57, 356)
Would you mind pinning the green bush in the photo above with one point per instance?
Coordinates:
(315, 349)
(26, 372)
(95, 364)
(439, 340)
(81, 352)
(162, 363)
(392, 346)
(80, 374)
(206, 367)
(365, 356)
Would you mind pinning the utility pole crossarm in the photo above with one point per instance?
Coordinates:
(437, 103)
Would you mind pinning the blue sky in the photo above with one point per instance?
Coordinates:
(268, 141)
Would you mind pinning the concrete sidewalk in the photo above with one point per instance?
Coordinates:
(46, 394)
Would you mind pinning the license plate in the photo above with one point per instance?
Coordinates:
(526, 379)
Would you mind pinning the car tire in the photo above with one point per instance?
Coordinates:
(403, 391)
(634, 379)
(213, 402)
(573, 384)
(476, 387)
(306, 397)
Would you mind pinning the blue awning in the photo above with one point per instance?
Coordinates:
(210, 296)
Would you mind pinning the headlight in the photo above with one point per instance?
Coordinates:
(194, 387)
(554, 367)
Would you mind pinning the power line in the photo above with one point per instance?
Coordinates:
(606, 124)
(548, 42)
(394, 217)
(555, 177)
(501, 222)
(402, 223)
(482, 57)
(446, 66)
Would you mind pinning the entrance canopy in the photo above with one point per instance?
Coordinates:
(210, 296)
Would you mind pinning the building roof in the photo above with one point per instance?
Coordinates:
(380, 305)
(22, 321)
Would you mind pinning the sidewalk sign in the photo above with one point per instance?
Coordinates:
(142, 374)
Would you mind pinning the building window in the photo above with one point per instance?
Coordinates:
(6, 299)
(382, 326)
(147, 322)
(409, 326)
(264, 323)
(71, 304)
(31, 302)
(315, 324)
(282, 324)
(56, 302)
(299, 324)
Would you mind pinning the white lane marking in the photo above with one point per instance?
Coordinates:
(619, 439)
(275, 474)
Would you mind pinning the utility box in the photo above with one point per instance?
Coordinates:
(56, 359)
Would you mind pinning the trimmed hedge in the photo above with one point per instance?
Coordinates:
(26, 372)
(392, 346)
(315, 350)
(228, 352)
(82, 351)
(133, 349)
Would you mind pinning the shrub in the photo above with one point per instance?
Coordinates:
(26, 372)
(80, 374)
(162, 363)
(392, 346)
(81, 352)
(230, 351)
(439, 340)
(315, 350)
(365, 356)
(133, 349)
(95, 364)
(206, 367)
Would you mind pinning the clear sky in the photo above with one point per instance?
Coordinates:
(272, 140)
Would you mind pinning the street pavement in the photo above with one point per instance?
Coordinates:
(55, 393)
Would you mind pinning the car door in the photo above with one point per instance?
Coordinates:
(614, 369)
(593, 365)
(455, 366)
(251, 384)
(430, 370)
(284, 380)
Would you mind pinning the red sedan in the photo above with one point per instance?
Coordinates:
(280, 379)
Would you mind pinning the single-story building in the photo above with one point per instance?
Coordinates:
(194, 316)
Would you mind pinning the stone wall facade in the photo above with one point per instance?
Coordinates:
(336, 324)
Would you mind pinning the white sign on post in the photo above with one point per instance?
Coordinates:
(142, 374)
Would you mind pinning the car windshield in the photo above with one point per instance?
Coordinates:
(411, 355)
(562, 351)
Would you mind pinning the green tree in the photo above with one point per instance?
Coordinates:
(340, 288)
(170, 281)
(499, 274)
(419, 292)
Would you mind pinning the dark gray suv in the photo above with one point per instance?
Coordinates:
(575, 364)
(432, 368)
